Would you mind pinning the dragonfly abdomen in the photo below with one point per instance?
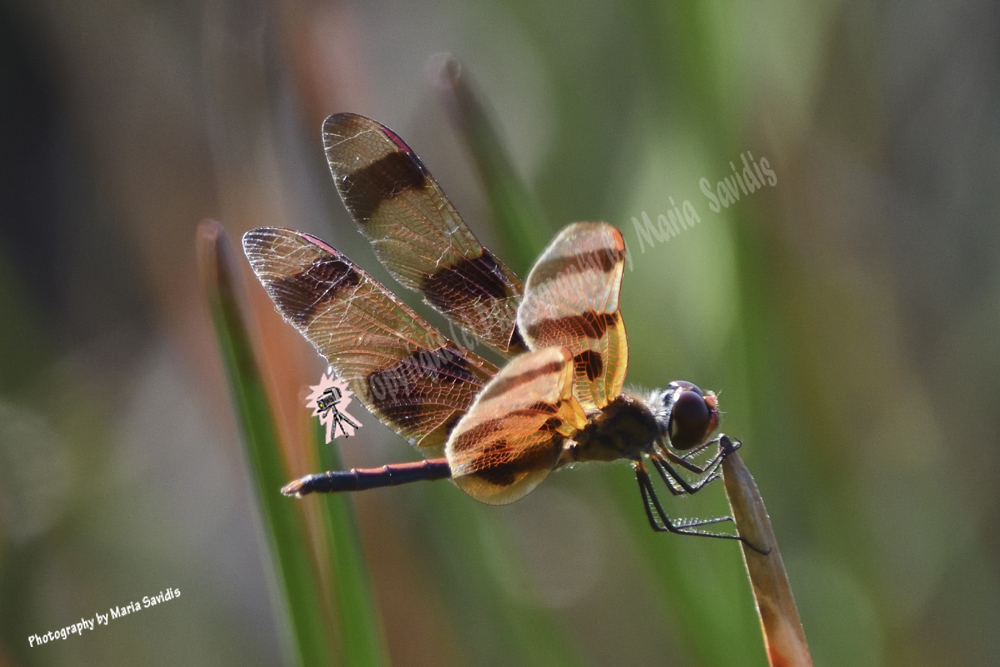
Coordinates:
(359, 479)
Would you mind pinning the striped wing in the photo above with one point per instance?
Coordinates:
(571, 300)
(416, 232)
(513, 434)
(406, 373)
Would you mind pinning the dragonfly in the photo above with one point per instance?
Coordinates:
(497, 432)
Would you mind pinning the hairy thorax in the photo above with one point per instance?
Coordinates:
(624, 429)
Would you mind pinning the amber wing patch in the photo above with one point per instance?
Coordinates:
(571, 300)
(405, 372)
(512, 436)
(417, 233)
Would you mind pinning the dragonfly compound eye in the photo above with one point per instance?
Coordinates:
(693, 416)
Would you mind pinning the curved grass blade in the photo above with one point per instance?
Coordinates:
(283, 522)
(784, 638)
(362, 639)
(515, 210)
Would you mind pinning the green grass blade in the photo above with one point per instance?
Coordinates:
(283, 522)
(515, 210)
(507, 631)
(362, 639)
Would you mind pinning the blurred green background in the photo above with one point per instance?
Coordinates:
(847, 316)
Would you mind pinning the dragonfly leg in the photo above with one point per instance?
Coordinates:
(691, 453)
(658, 519)
(663, 457)
(661, 523)
(675, 482)
(726, 447)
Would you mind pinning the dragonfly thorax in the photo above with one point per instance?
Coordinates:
(626, 428)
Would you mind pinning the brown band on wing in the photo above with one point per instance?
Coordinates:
(364, 190)
(588, 324)
(603, 260)
(490, 465)
(499, 466)
(400, 368)
(474, 436)
(402, 391)
(298, 297)
(505, 384)
(406, 376)
(416, 232)
(468, 281)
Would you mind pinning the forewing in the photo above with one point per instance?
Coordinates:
(513, 434)
(571, 300)
(404, 371)
(416, 232)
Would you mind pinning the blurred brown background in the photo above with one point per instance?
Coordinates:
(848, 316)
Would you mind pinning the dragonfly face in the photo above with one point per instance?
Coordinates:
(497, 432)
(691, 415)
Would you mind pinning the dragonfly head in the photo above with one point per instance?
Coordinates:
(689, 415)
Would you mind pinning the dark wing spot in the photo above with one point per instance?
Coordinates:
(400, 390)
(446, 364)
(601, 322)
(468, 281)
(495, 465)
(299, 296)
(590, 362)
(552, 424)
(365, 189)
